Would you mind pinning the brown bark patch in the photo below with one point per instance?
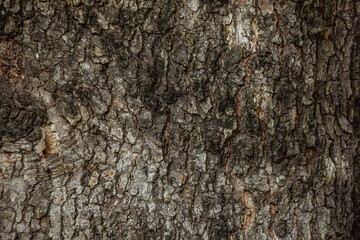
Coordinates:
(11, 63)
(264, 6)
(6, 158)
(239, 2)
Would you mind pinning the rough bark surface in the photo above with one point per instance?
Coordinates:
(173, 119)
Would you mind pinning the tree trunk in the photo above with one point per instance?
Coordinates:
(173, 119)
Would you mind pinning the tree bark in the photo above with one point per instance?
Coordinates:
(172, 119)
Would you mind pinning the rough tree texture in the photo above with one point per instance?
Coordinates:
(179, 119)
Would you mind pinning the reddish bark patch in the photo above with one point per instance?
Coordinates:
(11, 63)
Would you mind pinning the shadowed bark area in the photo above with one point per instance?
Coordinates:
(173, 119)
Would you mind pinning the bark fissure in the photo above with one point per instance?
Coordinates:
(169, 119)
